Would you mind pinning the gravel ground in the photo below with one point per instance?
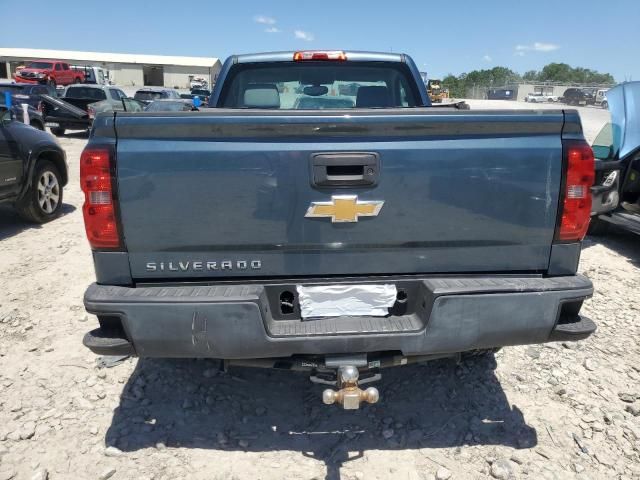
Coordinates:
(555, 411)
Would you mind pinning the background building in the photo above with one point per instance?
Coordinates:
(124, 69)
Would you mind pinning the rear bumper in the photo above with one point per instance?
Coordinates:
(442, 315)
(32, 81)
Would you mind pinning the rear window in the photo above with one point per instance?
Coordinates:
(40, 65)
(86, 92)
(319, 85)
(148, 95)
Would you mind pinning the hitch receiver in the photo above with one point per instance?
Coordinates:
(349, 394)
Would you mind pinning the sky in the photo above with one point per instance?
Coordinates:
(442, 37)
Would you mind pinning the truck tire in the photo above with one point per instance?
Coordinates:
(481, 353)
(42, 202)
(57, 131)
(604, 104)
(76, 80)
(598, 228)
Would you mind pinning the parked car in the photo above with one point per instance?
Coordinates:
(51, 72)
(337, 241)
(500, 94)
(79, 105)
(165, 105)
(33, 169)
(92, 74)
(147, 95)
(616, 193)
(601, 98)
(540, 98)
(26, 93)
(576, 96)
(198, 82)
(202, 93)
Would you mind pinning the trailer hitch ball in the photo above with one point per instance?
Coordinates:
(350, 395)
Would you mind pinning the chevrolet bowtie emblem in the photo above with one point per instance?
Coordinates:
(344, 208)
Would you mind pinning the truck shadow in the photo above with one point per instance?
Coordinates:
(12, 224)
(191, 404)
(621, 241)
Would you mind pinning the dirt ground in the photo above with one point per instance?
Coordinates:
(554, 411)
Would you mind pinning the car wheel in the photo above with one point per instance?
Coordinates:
(76, 80)
(605, 104)
(598, 227)
(58, 132)
(42, 202)
(37, 125)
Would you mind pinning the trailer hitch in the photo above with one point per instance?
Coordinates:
(349, 395)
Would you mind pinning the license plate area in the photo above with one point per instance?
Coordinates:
(350, 300)
(283, 300)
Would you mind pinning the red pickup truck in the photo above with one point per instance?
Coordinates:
(52, 72)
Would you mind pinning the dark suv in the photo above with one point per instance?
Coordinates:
(149, 94)
(577, 96)
(26, 93)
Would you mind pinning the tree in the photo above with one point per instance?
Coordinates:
(478, 81)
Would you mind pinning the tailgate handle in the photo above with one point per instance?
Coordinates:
(345, 169)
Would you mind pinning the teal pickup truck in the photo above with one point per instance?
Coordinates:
(323, 216)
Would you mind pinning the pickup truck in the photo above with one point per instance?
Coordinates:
(338, 241)
(79, 106)
(50, 72)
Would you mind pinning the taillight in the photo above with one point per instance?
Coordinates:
(319, 55)
(576, 198)
(98, 209)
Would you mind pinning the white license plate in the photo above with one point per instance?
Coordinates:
(582, 103)
(52, 124)
(346, 300)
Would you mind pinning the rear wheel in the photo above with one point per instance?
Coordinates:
(605, 104)
(598, 227)
(43, 200)
(58, 132)
(480, 353)
(76, 80)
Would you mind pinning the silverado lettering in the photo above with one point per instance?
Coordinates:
(203, 266)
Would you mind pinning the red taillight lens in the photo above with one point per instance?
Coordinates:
(98, 209)
(317, 55)
(576, 206)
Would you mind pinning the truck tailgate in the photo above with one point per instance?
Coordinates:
(225, 193)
